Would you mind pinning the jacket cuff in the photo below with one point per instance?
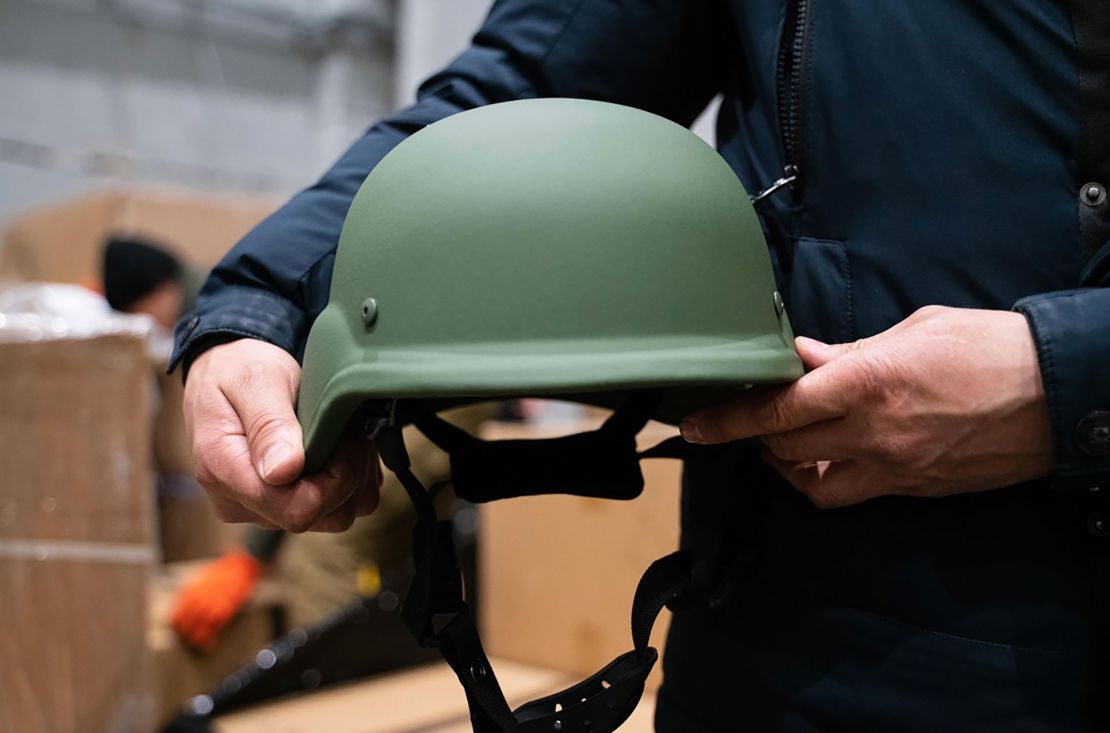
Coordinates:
(239, 312)
(1072, 333)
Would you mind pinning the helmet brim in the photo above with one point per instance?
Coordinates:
(689, 376)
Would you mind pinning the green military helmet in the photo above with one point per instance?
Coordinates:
(545, 247)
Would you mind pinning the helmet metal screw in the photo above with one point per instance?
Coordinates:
(780, 307)
(369, 312)
(1093, 194)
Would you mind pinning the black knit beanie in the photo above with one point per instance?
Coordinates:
(133, 268)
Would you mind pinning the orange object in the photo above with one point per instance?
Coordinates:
(210, 600)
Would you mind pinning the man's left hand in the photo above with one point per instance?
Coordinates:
(950, 400)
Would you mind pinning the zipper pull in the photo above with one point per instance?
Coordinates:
(789, 175)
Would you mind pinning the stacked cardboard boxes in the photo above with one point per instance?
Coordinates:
(76, 536)
(62, 243)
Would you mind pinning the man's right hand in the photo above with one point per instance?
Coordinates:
(248, 449)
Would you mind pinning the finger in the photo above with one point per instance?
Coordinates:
(263, 399)
(360, 458)
(297, 507)
(816, 353)
(315, 497)
(294, 508)
(828, 440)
(339, 520)
(828, 484)
(369, 494)
(351, 463)
(232, 513)
(820, 395)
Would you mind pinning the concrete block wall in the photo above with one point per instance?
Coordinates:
(215, 95)
(218, 95)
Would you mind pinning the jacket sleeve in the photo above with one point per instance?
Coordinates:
(658, 55)
(1072, 332)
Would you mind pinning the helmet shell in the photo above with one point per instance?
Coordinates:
(545, 247)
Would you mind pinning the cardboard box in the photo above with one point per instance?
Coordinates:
(424, 700)
(76, 536)
(557, 573)
(183, 672)
(62, 242)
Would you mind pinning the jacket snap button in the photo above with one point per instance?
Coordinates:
(1093, 194)
(1098, 526)
(1092, 433)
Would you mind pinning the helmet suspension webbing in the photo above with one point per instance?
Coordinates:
(602, 463)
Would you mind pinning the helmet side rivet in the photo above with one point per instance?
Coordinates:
(780, 307)
(369, 312)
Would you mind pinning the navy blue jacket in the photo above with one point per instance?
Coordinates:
(943, 151)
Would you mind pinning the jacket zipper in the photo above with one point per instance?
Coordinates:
(791, 72)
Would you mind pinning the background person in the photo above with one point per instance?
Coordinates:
(142, 277)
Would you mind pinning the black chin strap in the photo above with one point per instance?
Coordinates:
(600, 463)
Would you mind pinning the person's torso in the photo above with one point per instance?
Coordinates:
(935, 146)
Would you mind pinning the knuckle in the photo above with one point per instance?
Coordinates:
(346, 519)
(779, 409)
(774, 412)
(927, 311)
(866, 377)
(257, 373)
(299, 520)
(204, 475)
(340, 520)
(251, 374)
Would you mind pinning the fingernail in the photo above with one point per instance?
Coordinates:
(811, 342)
(272, 458)
(690, 432)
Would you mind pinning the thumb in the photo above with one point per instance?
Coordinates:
(816, 353)
(264, 404)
